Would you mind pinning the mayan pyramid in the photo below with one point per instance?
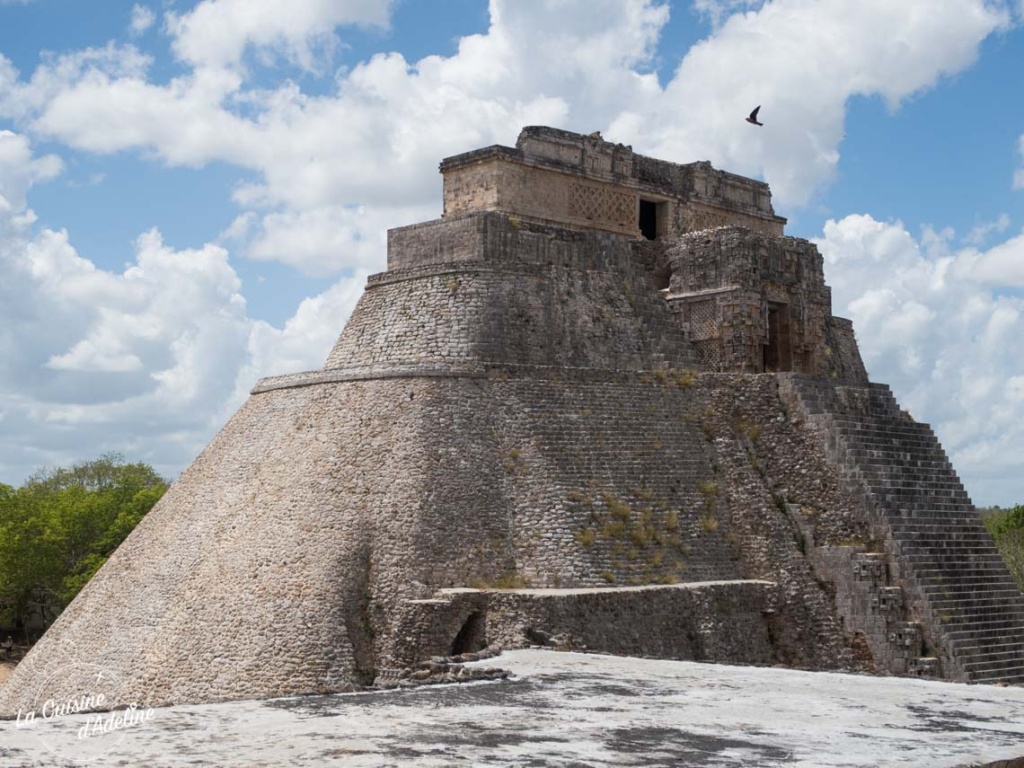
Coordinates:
(603, 397)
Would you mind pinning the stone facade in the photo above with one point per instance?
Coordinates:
(584, 182)
(540, 422)
(757, 303)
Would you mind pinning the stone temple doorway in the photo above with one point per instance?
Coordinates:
(778, 352)
(652, 218)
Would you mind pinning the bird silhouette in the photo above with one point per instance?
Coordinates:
(753, 116)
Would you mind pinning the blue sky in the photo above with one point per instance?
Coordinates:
(192, 193)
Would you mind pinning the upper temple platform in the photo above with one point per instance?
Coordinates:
(581, 181)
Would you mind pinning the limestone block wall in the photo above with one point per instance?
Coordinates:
(282, 561)
(740, 293)
(250, 577)
(703, 621)
(533, 192)
(842, 360)
(637, 479)
(584, 182)
(532, 296)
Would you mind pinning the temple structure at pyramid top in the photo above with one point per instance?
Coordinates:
(747, 298)
(583, 182)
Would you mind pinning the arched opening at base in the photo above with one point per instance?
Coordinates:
(472, 637)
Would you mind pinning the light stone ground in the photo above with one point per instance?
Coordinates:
(570, 709)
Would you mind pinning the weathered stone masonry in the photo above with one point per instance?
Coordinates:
(602, 399)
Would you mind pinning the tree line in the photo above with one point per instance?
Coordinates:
(1007, 529)
(59, 527)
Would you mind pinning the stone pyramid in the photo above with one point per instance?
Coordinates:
(603, 398)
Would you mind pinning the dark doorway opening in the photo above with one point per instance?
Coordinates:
(649, 219)
(473, 635)
(663, 277)
(778, 353)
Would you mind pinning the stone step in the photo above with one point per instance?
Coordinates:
(982, 600)
(990, 660)
(976, 647)
(887, 438)
(1007, 619)
(937, 593)
(953, 563)
(968, 545)
(967, 527)
(1014, 675)
(940, 551)
(958, 519)
(933, 540)
(1004, 629)
(903, 485)
(932, 587)
(950, 614)
(939, 504)
(967, 651)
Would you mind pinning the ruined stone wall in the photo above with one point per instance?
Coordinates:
(584, 182)
(707, 621)
(694, 216)
(473, 188)
(533, 296)
(725, 284)
(541, 194)
(639, 479)
(843, 363)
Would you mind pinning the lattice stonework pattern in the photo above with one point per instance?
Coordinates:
(703, 320)
(709, 354)
(601, 204)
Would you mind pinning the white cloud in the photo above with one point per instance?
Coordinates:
(940, 327)
(716, 10)
(327, 240)
(216, 33)
(802, 61)
(981, 231)
(143, 18)
(149, 361)
(19, 170)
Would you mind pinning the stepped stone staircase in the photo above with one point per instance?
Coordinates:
(952, 573)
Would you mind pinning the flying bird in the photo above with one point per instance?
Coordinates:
(753, 116)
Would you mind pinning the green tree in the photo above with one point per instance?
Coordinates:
(60, 527)
(1007, 529)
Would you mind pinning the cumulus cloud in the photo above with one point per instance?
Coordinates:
(983, 230)
(149, 360)
(939, 326)
(324, 241)
(19, 170)
(142, 19)
(216, 33)
(802, 61)
(715, 10)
